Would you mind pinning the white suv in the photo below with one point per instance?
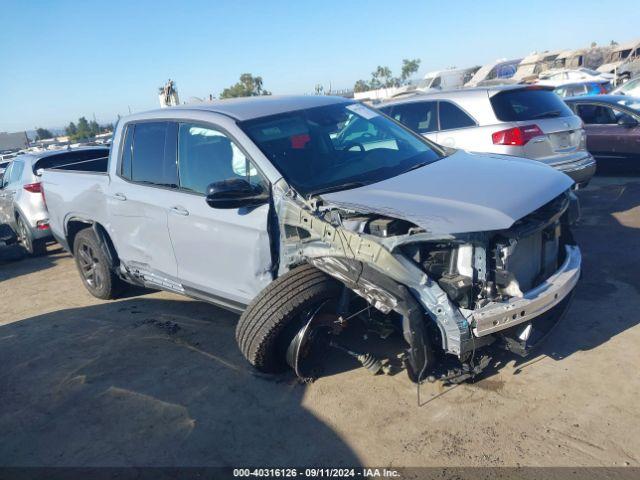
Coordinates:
(524, 121)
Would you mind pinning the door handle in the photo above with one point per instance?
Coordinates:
(179, 211)
(120, 196)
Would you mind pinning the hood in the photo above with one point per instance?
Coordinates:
(609, 67)
(462, 193)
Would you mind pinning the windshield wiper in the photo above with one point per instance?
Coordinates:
(416, 166)
(338, 188)
(549, 114)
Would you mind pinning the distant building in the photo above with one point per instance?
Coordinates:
(13, 141)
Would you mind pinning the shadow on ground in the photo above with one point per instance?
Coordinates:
(22, 264)
(607, 298)
(149, 382)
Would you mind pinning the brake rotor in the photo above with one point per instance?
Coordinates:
(310, 342)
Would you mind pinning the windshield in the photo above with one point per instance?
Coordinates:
(337, 147)
(425, 82)
(632, 103)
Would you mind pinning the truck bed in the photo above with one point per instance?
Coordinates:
(74, 192)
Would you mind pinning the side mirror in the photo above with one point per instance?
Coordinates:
(627, 121)
(236, 193)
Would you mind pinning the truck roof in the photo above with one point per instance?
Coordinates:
(247, 108)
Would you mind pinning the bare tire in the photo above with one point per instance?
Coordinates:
(93, 266)
(274, 317)
(34, 247)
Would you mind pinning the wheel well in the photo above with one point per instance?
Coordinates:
(76, 226)
(73, 228)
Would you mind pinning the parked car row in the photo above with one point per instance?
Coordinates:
(595, 70)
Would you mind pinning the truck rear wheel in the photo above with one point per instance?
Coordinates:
(93, 266)
(271, 321)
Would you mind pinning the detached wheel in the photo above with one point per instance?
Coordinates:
(275, 316)
(32, 246)
(93, 266)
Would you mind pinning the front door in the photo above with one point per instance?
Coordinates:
(223, 254)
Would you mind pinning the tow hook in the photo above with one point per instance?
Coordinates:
(467, 370)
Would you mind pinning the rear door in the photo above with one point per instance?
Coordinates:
(140, 197)
(11, 184)
(455, 125)
(222, 254)
(421, 117)
(4, 211)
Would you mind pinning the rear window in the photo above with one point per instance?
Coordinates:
(524, 105)
(89, 160)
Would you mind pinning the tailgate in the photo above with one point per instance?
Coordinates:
(561, 137)
(73, 194)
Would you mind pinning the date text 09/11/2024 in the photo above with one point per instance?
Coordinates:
(317, 472)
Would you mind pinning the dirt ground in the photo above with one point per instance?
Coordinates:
(157, 379)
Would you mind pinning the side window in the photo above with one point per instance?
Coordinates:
(577, 90)
(453, 117)
(16, 172)
(154, 154)
(207, 155)
(6, 175)
(596, 114)
(127, 152)
(420, 117)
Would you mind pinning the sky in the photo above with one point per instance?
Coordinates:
(64, 59)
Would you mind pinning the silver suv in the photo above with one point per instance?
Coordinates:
(22, 204)
(524, 121)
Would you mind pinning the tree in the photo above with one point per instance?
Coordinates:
(248, 86)
(382, 77)
(83, 130)
(94, 128)
(43, 133)
(71, 129)
(409, 67)
(361, 86)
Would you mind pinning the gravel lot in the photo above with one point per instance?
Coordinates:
(156, 379)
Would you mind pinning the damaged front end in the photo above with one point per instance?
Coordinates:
(449, 292)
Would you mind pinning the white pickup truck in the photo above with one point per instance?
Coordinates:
(301, 212)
